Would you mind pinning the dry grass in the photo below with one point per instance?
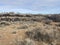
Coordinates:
(29, 30)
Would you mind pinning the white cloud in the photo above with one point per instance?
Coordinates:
(33, 5)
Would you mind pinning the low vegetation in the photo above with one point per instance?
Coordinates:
(29, 29)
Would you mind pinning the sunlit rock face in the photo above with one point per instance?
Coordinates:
(29, 29)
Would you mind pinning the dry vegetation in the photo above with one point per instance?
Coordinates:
(29, 29)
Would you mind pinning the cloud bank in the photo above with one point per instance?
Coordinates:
(32, 6)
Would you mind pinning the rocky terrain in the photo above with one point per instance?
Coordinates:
(29, 29)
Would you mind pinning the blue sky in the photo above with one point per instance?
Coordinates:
(30, 6)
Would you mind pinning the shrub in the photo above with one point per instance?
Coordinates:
(39, 19)
(16, 19)
(4, 24)
(22, 27)
(57, 25)
(14, 32)
(55, 18)
(23, 42)
(38, 36)
(47, 21)
(28, 15)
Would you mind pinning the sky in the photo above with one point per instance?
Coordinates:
(30, 6)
